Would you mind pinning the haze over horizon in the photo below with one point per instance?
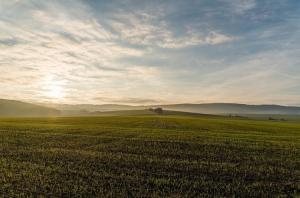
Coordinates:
(142, 52)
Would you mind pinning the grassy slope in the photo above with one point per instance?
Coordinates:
(148, 156)
(288, 118)
(14, 108)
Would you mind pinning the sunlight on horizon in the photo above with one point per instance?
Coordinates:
(53, 89)
(55, 92)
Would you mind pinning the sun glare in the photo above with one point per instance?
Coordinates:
(53, 89)
(55, 92)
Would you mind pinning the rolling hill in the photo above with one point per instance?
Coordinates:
(12, 108)
(84, 109)
(209, 108)
(232, 108)
(17, 108)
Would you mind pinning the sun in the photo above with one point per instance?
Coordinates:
(55, 92)
(53, 89)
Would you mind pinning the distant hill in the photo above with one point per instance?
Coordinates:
(12, 108)
(84, 109)
(16, 108)
(209, 108)
(144, 112)
(231, 108)
(92, 107)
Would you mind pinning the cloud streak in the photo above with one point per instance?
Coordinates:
(143, 29)
(171, 51)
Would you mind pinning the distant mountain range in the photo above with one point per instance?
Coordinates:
(232, 108)
(17, 108)
(12, 108)
(91, 107)
(209, 108)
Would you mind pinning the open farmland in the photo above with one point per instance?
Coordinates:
(148, 156)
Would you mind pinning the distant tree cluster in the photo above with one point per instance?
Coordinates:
(157, 110)
(274, 119)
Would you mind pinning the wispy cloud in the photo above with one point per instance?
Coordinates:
(145, 29)
(130, 101)
(146, 52)
(241, 6)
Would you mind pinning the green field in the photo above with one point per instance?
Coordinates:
(149, 156)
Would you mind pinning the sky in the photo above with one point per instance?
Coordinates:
(142, 52)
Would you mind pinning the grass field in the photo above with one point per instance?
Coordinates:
(148, 156)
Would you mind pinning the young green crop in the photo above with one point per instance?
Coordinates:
(148, 156)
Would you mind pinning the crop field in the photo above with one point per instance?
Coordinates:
(149, 156)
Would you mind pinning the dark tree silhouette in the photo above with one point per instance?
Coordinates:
(158, 110)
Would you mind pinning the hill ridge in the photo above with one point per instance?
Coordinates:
(15, 108)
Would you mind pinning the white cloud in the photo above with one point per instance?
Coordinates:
(74, 48)
(241, 6)
(144, 29)
(258, 79)
(213, 38)
(82, 56)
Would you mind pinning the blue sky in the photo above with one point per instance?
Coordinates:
(145, 52)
